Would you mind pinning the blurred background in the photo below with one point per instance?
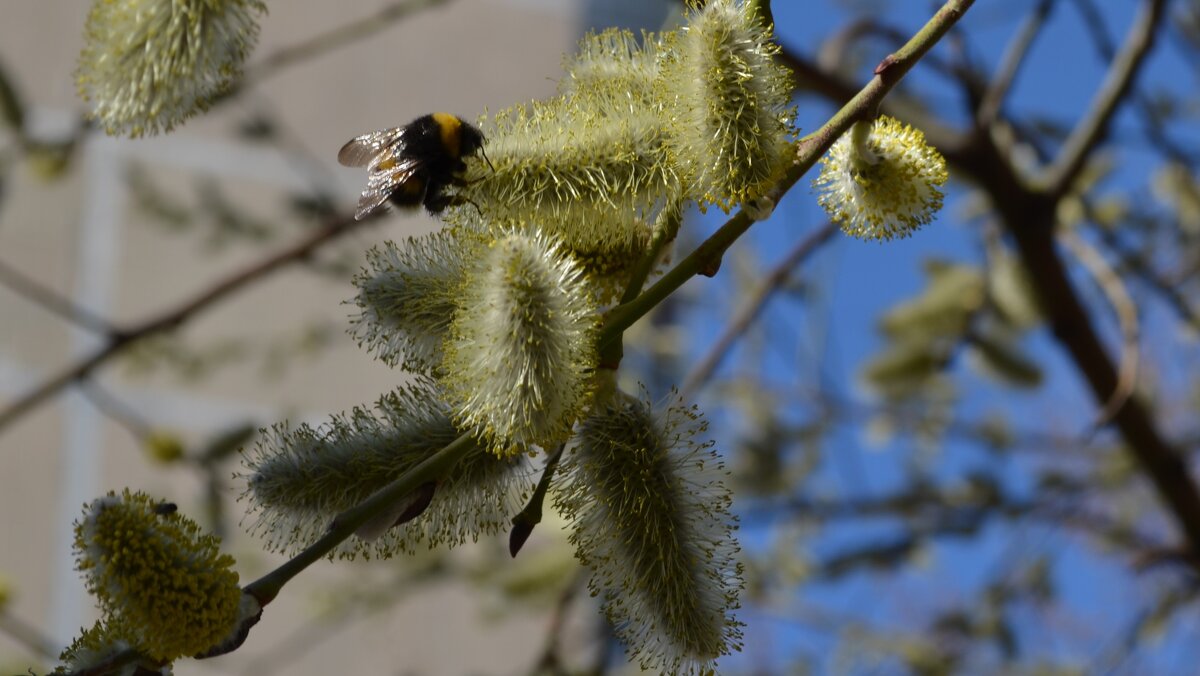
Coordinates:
(927, 479)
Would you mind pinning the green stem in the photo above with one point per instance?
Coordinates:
(808, 151)
(666, 226)
(343, 526)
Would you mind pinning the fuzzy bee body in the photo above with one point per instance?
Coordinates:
(413, 165)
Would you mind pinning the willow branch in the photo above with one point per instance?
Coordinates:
(50, 300)
(1088, 134)
(28, 635)
(808, 76)
(666, 227)
(1126, 310)
(753, 308)
(122, 339)
(1010, 64)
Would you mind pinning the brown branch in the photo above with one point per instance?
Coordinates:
(1010, 64)
(752, 308)
(332, 39)
(50, 300)
(1152, 123)
(1091, 131)
(120, 340)
(550, 660)
(29, 636)
(1118, 296)
(1168, 290)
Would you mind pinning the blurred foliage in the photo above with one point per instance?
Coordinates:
(271, 356)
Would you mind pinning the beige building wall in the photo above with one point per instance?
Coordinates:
(85, 237)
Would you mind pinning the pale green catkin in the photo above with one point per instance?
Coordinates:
(522, 345)
(728, 103)
(298, 479)
(650, 511)
(148, 65)
(592, 178)
(407, 296)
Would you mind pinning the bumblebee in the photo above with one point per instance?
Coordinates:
(413, 165)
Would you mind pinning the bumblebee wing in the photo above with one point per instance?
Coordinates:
(386, 175)
(362, 150)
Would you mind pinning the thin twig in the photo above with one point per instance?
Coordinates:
(1167, 289)
(1118, 296)
(28, 636)
(752, 308)
(1152, 124)
(927, 509)
(549, 662)
(1010, 64)
(51, 301)
(115, 409)
(120, 340)
(332, 39)
(1091, 130)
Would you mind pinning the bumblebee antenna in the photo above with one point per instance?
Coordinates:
(486, 159)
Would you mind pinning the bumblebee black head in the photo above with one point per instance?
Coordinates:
(472, 139)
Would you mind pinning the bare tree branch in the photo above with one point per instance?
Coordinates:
(332, 39)
(1152, 123)
(752, 308)
(1092, 129)
(1114, 289)
(121, 339)
(1030, 218)
(51, 301)
(1010, 64)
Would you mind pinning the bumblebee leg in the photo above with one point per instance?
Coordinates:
(441, 202)
(459, 181)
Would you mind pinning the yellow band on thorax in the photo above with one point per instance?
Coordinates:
(450, 128)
